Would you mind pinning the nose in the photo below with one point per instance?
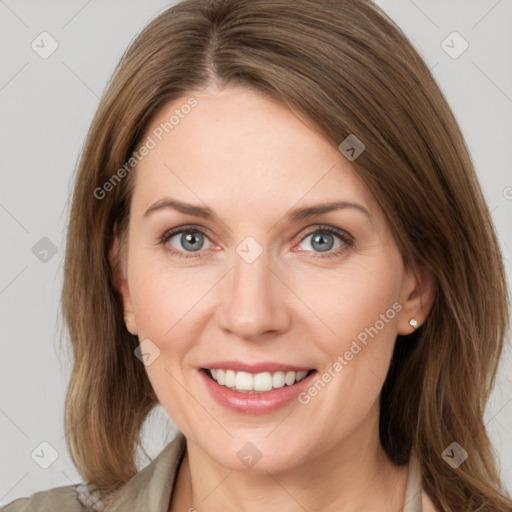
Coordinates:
(253, 300)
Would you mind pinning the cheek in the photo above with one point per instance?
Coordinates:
(161, 294)
(358, 302)
(162, 311)
(168, 311)
(165, 316)
(361, 309)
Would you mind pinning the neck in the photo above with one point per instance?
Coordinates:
(354, 475)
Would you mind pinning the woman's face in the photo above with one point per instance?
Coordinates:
(246, 280)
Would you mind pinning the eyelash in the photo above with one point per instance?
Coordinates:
(343, 235)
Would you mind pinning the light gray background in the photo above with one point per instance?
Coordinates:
(47, 106)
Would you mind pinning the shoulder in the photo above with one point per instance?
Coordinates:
(149, 489)
(57, 499)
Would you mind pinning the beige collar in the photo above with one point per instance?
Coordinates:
(416, 499)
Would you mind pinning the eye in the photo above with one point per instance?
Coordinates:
(185, 241)
(323, 240)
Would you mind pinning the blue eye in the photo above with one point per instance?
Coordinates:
(323, 239)
(192, 238)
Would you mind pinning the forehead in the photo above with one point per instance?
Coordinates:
(235, 146)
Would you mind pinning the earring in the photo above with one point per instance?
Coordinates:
(414, 323)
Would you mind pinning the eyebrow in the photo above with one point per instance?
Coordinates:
(295, 215)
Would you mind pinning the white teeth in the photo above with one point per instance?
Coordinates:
(244, 381)
(221, 377)
(230, 379)
(300, 375)
(289, 378)
(278, 380)
(263, 381)
(259, 382)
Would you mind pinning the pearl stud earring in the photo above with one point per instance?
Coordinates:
(414, 323)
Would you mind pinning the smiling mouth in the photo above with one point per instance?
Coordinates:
(245, 382)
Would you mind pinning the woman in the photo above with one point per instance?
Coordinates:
(278, 235)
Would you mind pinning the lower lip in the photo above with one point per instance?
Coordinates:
(255, 403)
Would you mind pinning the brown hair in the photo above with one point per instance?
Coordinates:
(345, 68)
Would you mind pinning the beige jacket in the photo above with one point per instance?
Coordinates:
(150, 490)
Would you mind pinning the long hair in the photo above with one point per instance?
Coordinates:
(344, 68)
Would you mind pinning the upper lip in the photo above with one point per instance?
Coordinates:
(267, 366)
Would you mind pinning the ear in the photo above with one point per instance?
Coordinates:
(417, 297)
(121, 284)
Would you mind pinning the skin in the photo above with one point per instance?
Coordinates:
(251, 160)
